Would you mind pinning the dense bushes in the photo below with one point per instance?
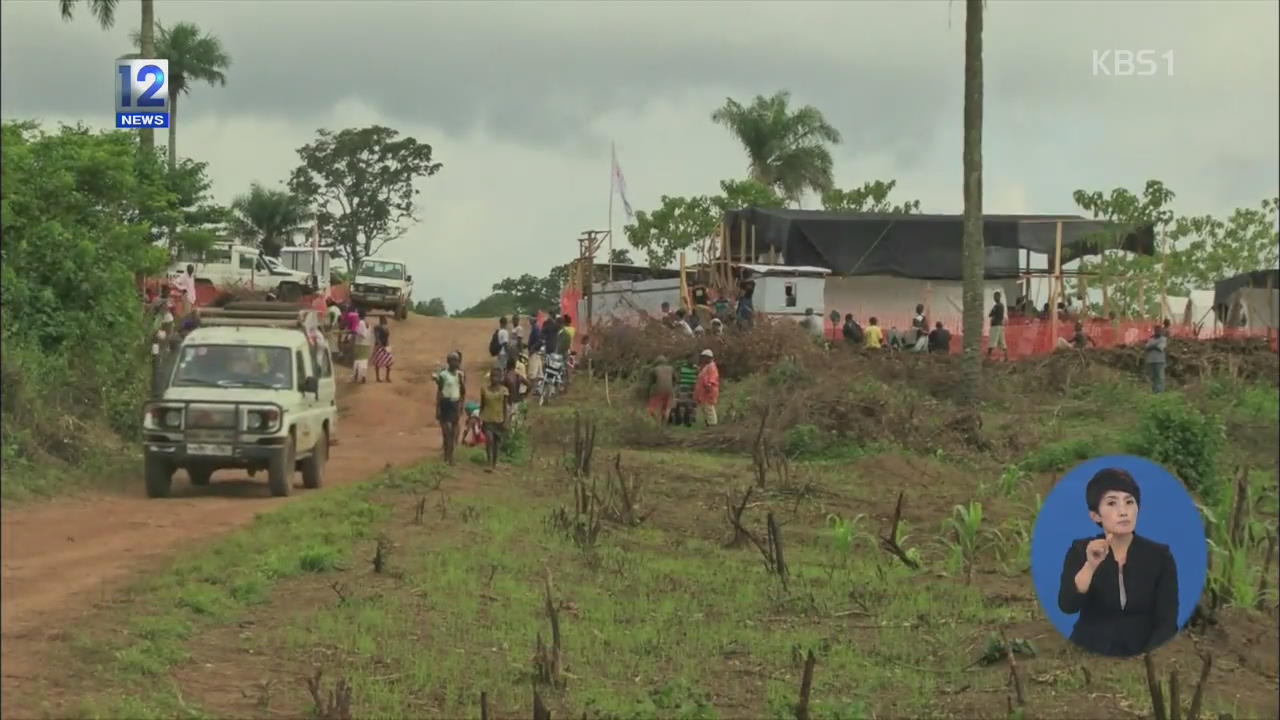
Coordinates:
(78, 215)
(1183, 439)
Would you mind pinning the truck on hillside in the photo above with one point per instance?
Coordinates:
(252, 388)
(383, 284)
(229, 265)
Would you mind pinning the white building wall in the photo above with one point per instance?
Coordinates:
(771, 294)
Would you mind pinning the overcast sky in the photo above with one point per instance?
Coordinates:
(521, 100)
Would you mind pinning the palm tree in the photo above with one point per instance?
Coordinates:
(105, 12)
(786, 149)
(974, 260)
(192, 57)
(269, 218)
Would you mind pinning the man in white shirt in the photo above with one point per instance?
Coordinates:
(187, 286)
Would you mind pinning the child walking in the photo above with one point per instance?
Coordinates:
(494, 413)
(382, 357)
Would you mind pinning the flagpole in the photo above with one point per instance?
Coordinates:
(613, 173)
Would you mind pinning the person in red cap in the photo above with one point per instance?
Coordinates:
(707, 392)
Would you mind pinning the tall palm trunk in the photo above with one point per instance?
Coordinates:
(974, 261)
(147, 34)
(173, 130)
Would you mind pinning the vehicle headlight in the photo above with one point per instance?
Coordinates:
(261, 420)
(166, 418)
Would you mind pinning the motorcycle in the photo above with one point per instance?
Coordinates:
(552, 377)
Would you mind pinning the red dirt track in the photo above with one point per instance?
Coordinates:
(63, 557)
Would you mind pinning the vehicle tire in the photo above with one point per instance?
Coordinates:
(289, 292)
(200, 475)
(159, 476)
(281, 468)
(313, 466)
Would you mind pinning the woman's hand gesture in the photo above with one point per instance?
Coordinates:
(1096, 551)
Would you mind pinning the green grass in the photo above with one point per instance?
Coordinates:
(27, 480)
(217, 584)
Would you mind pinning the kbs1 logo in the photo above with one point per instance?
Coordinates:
(1132, 63)
(142, 94)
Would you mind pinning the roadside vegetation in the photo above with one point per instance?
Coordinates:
(878, 546)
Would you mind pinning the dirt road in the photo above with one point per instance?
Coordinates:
(61, 557)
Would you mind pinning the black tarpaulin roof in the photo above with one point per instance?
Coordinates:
(1223, 289)
(915, 246)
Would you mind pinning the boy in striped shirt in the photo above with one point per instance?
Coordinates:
(686, 380)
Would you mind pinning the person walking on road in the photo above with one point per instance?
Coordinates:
(382, 357)
(1156, 357)
(363, 349)
(451, 391)
(495, 411)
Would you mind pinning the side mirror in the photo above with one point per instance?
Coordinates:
(408, 278)
(311, 385)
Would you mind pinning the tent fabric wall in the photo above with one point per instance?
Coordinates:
(893, 300)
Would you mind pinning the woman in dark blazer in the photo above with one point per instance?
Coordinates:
(1124, 586)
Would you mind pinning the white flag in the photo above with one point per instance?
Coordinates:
(620, 185)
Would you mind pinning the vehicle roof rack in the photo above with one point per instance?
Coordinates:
(256, 314)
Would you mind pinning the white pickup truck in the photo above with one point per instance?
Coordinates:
(228, 265)
(251, 388)
(383, 284)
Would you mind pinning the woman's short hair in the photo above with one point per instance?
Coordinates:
(1111, 480)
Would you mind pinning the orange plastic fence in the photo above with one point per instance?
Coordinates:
(1032, 337)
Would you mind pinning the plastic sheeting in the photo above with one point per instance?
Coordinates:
(914, 246)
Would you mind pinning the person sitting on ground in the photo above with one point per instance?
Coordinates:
(686, 382)
(707, 392)
(921, 343)
(717, 326)
(667, 317)
(722, 309)
(851, 330)
(940, 339)
(1078, 339)
(811, 323)
(873, 335)
(494, 413)
(895, 340)
(661, 389)
(681, 324)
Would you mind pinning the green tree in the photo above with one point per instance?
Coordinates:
(786, 150)
(193, 57)
(77, 212)
(431, 308)
(974, 253)
(872, 197)
(269, 219)
(681, 223)
(620, 256)
(105, 12)
(1134, 281)
(1215, 249)
(362, 183)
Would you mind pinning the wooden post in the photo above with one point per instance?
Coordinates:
(1106, 299)
(742, 243)
(754, 257)
(928, 302)
(684, 286)
(1055, 287)
(1271, 320)
(1164, 282)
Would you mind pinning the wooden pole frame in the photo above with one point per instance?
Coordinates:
(1055, 286)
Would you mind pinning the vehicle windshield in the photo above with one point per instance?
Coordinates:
(382, 269)
(218, 255)
(272, 263)
(234, 366)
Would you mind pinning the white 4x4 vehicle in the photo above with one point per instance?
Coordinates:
(227, 265)
(383, 284)
(251, 388)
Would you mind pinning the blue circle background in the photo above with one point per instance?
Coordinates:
(1167, 514)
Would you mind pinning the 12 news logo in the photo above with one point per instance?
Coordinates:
(142, 94)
